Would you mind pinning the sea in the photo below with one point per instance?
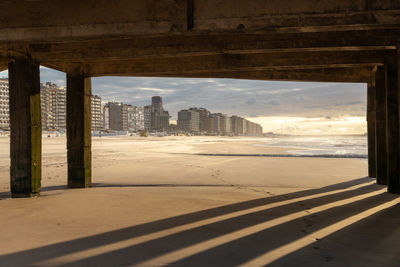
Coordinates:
(342, 146)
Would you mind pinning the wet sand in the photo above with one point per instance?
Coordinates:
(155, 201)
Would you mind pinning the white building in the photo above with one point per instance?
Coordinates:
(97, 115)
(4, 105)
(61, 108)
(53, 106)
(135, 118)
(228, 125)
(147, 117)
(106, 117)
(215, 122)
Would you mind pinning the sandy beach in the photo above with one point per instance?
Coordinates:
(161, 201)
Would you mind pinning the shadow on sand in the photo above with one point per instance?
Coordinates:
(5, 195)
(239, 239)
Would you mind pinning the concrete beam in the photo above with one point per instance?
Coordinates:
(393, 124)
(79, 130)
(26, 128)
(191, 45)
(236, 62)
(352, 74)
(4, 60)
(256, 14)
(380, 127)
(76, 19)
(3, 66)
(371, 127)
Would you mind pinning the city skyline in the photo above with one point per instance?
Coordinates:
(122, 117)
(119, 116)
(283, 107)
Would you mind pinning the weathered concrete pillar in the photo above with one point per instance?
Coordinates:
(380, 128)
(392, 126)
(371, 120)
(79, 130)
(26, 127)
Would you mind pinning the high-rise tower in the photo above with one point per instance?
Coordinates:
(159, 116)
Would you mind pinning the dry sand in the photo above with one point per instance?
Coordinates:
(155, 202)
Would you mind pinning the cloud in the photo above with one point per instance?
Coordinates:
(158, 90)
(301, 125)
(54, 76)
(232, 96)
(251, 101)
(274, 102)
(240, 97)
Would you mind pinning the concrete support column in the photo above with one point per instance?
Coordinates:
(79, 130)
(392, 125)
(371, 120)
(26, 128)
(380, 128)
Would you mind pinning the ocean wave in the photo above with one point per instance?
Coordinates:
(322, 146)
(355, 156)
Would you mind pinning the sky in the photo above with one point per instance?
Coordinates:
(280, 107)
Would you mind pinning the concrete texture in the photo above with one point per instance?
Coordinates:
(79, 130)
(101, 36)
(26, 127)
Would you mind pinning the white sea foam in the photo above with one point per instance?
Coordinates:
(351, 146)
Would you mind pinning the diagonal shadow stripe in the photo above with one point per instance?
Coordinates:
(244, 249)
(63, 248)
(148, 250)
(370, 242)
(277, 253)
(5, 195)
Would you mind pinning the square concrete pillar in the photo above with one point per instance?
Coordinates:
(380, 127)
(371, 125)
(26, 127)
(79, 130)
(393, 123)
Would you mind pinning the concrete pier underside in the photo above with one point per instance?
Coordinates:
(309, 40)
